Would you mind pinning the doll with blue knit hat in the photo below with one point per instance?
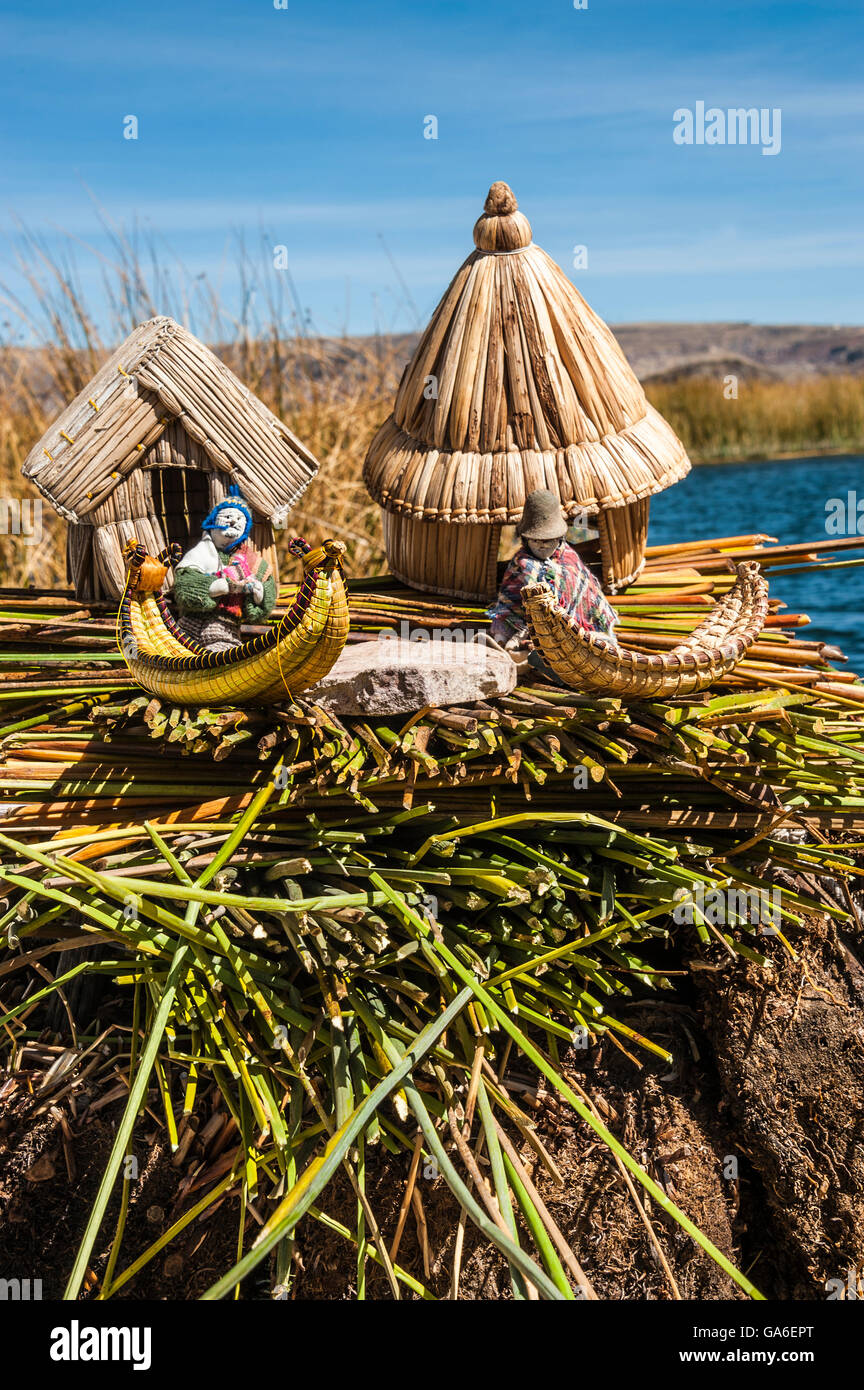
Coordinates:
(223, 581)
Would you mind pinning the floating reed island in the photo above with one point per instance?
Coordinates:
(62, 658)
(343, 931)
(341, 936)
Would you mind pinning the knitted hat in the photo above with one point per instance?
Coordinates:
(542, 517)
(239, 503)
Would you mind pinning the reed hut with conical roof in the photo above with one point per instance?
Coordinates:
(151, 444)
(515, 385)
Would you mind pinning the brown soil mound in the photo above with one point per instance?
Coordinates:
(789, 1050)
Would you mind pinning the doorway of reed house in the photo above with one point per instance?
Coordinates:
(181, 500)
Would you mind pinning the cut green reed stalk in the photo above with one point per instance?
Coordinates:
(503, 1197)
(126, 1189)
(124, 1132)
(320, 1170)
(401, 1274)
(525, 1045)
(150, 1051)
(547, 1250)
(514, 1254)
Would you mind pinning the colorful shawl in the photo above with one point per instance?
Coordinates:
(576, 588)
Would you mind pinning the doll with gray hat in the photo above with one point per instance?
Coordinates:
(545, 557)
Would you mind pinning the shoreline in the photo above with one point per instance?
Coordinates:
(851, 452)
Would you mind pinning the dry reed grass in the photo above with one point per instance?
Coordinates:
(770, 418)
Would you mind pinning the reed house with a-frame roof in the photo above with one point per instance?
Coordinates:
(151, 444)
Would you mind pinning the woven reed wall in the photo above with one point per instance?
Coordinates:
(161, 375)
(459, 561)
(623, 537)
(515, 385)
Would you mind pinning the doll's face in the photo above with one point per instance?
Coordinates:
(541, 550)
(230, 525)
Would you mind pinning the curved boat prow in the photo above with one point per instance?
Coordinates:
(590, 661)
(277, 665)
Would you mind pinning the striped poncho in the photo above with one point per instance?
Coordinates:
(578, 592)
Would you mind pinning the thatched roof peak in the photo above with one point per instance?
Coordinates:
(500, 200)
(160, 375)
(516, 384)
(502, 227)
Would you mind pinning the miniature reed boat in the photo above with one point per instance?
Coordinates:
(288, 659)
(590, 661)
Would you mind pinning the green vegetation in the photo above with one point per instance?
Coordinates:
(768, 419)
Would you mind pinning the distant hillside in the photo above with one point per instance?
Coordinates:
(672, 351)
(669, 351)
(675, 351)
(658, 352)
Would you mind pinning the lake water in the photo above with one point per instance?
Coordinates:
(785, 498)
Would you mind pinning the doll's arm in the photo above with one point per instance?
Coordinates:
(258, 609)
(192, 590)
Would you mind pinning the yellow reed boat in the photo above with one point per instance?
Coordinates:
(277, 665)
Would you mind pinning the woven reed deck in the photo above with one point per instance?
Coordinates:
(94, 749)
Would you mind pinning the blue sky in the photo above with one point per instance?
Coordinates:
(303, 127)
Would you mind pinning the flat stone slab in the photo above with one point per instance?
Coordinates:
(395, 676)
